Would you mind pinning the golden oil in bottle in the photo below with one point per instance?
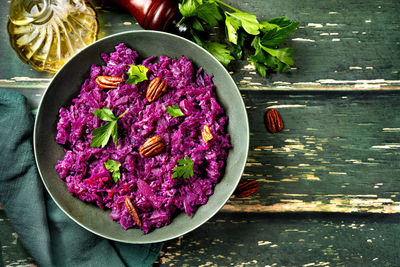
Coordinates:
(46, 33)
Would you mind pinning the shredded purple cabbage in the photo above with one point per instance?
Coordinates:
(148, 182)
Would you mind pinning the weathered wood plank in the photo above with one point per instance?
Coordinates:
(265, 240)
(338, 152)
(339, 44)
(287, 240)
(12, 252)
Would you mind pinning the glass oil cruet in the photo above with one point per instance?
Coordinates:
(46, 33)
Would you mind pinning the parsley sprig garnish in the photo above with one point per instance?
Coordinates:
(102, 134)
(175, 111)
(184, 168)
(113, 167)
(266, 36)
(136, 74)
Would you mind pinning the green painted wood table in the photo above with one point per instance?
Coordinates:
(330, 182)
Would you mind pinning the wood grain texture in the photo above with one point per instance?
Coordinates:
(287, 240)
(235, 239)
(12, 252)
(338, 151)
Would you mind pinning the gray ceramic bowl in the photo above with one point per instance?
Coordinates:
(66, 85)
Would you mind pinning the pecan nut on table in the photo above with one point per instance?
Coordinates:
(273, 121)
(246, 188)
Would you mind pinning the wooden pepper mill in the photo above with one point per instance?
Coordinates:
(151, 14)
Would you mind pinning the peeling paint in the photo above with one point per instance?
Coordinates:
(303, 40)
(315, 25)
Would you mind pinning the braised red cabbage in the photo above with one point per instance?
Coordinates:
(148, 182)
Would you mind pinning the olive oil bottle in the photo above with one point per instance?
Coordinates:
(46, 33)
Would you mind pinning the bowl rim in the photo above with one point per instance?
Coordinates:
(245, 125)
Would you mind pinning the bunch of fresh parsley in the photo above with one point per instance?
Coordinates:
(266, 36)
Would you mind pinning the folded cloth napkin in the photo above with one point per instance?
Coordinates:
(51, 237)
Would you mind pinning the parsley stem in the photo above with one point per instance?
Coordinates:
(120, 116)
(228, 6)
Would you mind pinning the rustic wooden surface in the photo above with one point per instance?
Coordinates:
(329, 183)
(295, 239)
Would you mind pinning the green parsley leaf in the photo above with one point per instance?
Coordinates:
(280, 66)
(249, 22)
(185, 168)
(219, 51)
(266, 26)
(102, 134)
(278, 35)
(188, 8)
(175, 111)
(283, 54)
(232, 25)
(261, 68)
(238, 48)
(210, 13)
(113, 166)
(104, 114)
(258, 60)
(196, 38)
(196, 24)
(256, 42)
(280, 22)
(136, 74)
(279, 59)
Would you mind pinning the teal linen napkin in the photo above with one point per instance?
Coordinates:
(51, 237)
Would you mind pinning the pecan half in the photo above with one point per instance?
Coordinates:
(132, 211)
(152, 146)
(155, 89)
(246, 188)
(273, 121)
(206, 134)
(108, 81)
